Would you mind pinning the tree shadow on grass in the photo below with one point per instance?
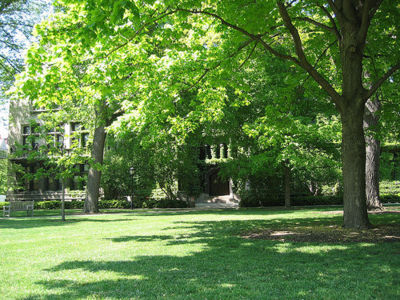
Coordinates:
(16, 223)
(141, 238)
(229, 266)
(272, 210)
(44, 221)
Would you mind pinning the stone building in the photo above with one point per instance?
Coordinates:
(24, 128)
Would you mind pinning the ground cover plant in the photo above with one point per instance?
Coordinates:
(181, 254)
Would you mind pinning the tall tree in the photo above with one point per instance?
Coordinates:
(310, 27)
(373, 152)
(17, 18)
(300, 32)
(347, 21)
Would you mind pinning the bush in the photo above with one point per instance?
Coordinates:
(3, 204)
(114, 204)
(250, 200)
(162, 203)
(105, 204)
(317, 200)
(390, 199)
(54, 204)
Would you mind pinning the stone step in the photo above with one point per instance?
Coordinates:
(219, 199)
(211, 205)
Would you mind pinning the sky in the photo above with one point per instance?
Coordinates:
(3, 102)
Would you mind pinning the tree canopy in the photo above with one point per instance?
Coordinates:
(175, 66)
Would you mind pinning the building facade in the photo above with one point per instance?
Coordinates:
(27, 179)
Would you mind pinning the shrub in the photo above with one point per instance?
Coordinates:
(47, 204)
(317, 200)
(3, 204)
(250, 200)
(390, 199)
(162, 203)
(114, 204)
(105, 204)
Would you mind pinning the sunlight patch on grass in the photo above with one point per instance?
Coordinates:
(190, 255)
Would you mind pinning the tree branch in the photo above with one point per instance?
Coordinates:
(243, 31)
(373, 11)
(365, 21)
(248, 57)
(381, 80)
(207, 70)
(316, 23)
(335, 8)
(336, 98)
(336, 30)
(137, 32)
(319, 59)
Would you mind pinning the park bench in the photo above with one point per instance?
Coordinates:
(18, 206)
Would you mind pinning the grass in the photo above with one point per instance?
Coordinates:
(190, 255)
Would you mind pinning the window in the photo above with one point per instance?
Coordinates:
(55, 137)
(78, 181)
(80, 135)
(30, 136)
(84, 139)
(76, 126)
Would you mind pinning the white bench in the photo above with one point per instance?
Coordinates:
(18, 206)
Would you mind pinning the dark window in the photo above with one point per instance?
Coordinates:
(77, 127)
(84, 139)
(28, 136)
(202, 153)
(26, 129)
(208, 151)
(225, 151)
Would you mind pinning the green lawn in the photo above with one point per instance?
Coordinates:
(190, 255)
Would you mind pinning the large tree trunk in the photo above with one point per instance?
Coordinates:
(373, 149)
(94, 175)
(351, 108)
(353, 159)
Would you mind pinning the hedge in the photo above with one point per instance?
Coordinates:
(104, 204)
(308, 201)
(166, 203)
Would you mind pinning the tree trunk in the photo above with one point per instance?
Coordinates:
(353, 160)
(63, 199)
(94, 175)
(286, 171)
(373, 149)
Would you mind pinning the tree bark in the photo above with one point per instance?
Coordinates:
(373, 149)
(94, 175)
(286, 171)
(354, 22)
(353, 159)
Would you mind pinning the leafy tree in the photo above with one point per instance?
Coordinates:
(196, 35)
(17, 18)
(346, 21)
(3, 175)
